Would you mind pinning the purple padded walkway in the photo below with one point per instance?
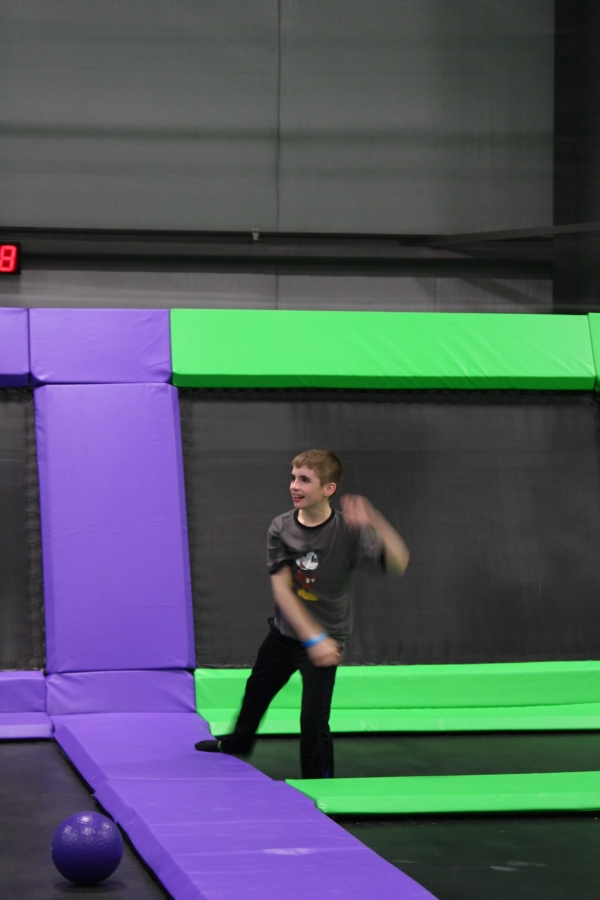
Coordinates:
(23, 706)
(14, 347)
(212, 827)
(100, 346)
(222, 840)
(114, 533)
(144, 746)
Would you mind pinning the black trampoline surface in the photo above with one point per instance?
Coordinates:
(369, 756)
(491, 857)
(496, 494)
(21, 601)
(38, 789)
(530, 857)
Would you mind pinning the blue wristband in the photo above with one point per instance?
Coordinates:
(312, 642)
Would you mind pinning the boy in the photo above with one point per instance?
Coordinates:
(311, 553)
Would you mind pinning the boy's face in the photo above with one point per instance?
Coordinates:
(306, 488)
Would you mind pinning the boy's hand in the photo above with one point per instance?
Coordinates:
(357, 510)
(360, 513)
(327, 653)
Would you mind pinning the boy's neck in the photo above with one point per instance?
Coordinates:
(314, 515)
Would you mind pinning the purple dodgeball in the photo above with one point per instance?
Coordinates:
(87, 848)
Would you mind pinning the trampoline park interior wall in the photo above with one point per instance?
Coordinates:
(476, 434)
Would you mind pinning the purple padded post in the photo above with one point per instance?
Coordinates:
(22, 692)
(118, 692)
(114, 533)
(14, 347)
(100, 346)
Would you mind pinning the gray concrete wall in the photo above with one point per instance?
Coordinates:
(346, 115)
(58, 288)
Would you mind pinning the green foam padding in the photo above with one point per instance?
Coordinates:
(370, 350)
(475, 697)
(550, 791)
(574, 717)
(594, 325)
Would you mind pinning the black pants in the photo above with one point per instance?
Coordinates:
(278, 658)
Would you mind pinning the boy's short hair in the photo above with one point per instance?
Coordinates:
(325, 463)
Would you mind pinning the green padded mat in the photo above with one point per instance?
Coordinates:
(594, 323)
(259, 348)
(573, 717)
(552, 791)
(472, 697)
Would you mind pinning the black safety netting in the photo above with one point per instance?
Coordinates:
(496, 494)
(21, 600)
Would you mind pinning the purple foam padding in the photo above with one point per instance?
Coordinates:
(250, 839)
(273, 837)
(22, 692)
(114, 533)
(144, 746)
(24, 725)
(177, 881)
(100, 346)
(212, 827)
(14, 347)
(196, 801)
(354, 874)
(119, 692)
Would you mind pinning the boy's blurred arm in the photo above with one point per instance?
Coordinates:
(325, 653)
(360, 513)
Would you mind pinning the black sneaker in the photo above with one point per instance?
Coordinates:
(212, 746)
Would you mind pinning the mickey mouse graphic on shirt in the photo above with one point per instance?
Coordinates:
(305, 575)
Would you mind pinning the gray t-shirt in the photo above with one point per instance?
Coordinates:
(322, 559)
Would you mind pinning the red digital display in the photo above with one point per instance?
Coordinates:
(10, 259)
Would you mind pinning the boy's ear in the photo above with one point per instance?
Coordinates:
(330, 489)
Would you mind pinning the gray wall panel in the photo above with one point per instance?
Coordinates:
(416, 115)
(350, 115)
(145, 114)
(150, 290)
(238, 290)
(414, 294)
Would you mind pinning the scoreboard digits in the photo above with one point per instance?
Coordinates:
(10, 259)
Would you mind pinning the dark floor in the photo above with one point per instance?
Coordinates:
(491, 858)
(470, 857)
(38, 789)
